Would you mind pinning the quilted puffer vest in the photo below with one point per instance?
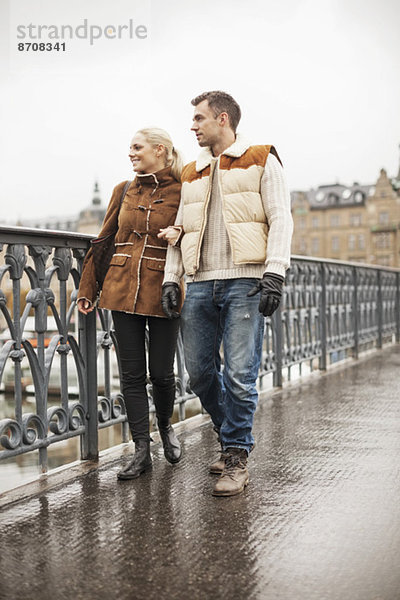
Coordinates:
(243, 212)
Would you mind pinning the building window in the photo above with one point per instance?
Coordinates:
(352, 242)
(355, 220)
(315, 222)
(335, 244)
(334, 221)
(361, 241)
(358, 196)
(314, 246)
(302, 223)
(302, 246)
(382, 240)
(383, 218)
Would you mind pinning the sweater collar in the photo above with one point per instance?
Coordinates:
(238, 148)
(154, 179)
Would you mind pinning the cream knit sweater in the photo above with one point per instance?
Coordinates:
(216, 257)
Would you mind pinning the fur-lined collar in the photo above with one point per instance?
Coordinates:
(238, 148)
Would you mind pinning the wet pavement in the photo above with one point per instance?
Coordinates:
(320, 519)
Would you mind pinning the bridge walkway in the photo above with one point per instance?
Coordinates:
(320, 519)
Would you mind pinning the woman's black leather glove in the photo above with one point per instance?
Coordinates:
(170, 299)
(270, 287)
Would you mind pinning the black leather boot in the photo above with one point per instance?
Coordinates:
(172, 447)
(141, 461)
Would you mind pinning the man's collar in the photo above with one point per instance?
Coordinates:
(239, 147)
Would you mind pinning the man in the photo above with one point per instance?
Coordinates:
(235, 244)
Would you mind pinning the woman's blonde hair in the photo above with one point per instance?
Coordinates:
(156, 135)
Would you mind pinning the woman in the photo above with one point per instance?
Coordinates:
(132, 290)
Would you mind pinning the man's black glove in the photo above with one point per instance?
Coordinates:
(270, 287)
(170, 299)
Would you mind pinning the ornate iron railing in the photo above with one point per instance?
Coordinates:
(330, 310)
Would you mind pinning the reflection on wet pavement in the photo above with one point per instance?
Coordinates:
(320, 519)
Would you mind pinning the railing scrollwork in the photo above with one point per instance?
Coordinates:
(330, 310)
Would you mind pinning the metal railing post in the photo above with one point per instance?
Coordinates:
(355, 312)
(277, 323)
(379, 303)
(397, 309)
(89, 441)
(322, 319)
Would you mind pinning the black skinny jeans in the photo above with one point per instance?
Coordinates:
(163, 333)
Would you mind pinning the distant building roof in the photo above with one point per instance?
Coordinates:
(338, 195)
(95, 210)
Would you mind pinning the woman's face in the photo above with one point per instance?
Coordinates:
(145, 157)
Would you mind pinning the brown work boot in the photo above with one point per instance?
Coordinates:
(218, 466)
(235, 475)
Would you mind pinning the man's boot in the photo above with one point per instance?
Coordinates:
(141, 461)
(235, 475)
(218, 466)
(172, 447)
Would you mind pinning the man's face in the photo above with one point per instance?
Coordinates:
(205, 125)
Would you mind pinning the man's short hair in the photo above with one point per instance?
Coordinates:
(221, 102)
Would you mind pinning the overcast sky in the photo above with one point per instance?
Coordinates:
(319, 79)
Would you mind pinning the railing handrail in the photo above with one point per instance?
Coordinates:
(344, 263)
(69, 239)
(57, 238)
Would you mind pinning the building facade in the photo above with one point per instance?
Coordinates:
(359, 223)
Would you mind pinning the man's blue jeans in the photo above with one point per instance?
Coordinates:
(215, 312)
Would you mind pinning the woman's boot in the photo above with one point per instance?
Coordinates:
(172, 447)
(141, 461)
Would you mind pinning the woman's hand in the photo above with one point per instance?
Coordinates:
(170, 234)
(84, 306)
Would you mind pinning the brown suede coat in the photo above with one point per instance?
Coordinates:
(134, 279)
